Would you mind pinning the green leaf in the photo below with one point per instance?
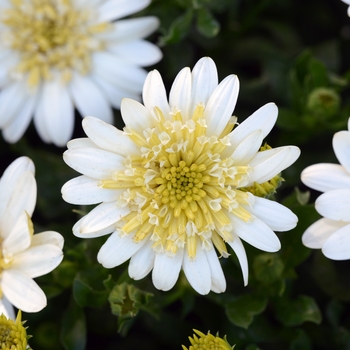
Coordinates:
(73, 332)
(301, 341)
(207, 25)
(296, 312)
(268, 268)
(241, 312)
(85, 295)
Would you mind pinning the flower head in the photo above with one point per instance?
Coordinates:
(23, 255)
(332, 232)
(57, 54)
(13, 336)
(207, 342)
(170, 183)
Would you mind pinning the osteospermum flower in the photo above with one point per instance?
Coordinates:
(171, 183)
(332, 232)
(23, 256)
(208, 341)
(13, 335)
(57, 54)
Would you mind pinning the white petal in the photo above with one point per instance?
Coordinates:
(317, 234)
(218, 281)
(275, 215)
(138, 52)
(82, 142)
(15, 129)
(141, 263)
(104, 215)
(93, 162)
(221, 104)
(40, 118)
(85, 190)
(324, 177)
(7, 309)
(239, 250)
(135, 115)
(19, 238)
(263, 119)
(48, 237)
(256, 233)
(58, 109)
(334, 204)
(38, 260)
(118, 249)
(104, 231)
(269, 163)
(166, 270)
(181, 93)
(14, 282)
(197, 271)
(204, 81)
(336, 246)
(89, 99)
(341, 146)
(154, 93)
(111, 9)
(108, 137)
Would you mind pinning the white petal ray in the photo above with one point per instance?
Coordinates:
(256, 233)
(166, 270)
(269, 163)
(181, 93)
(93, 162)
(47, 237)
(275, 215)
(84, 190)
(334, 204)
(102, 216)
(112, 10)
(221, 104)
(239, 250)
(197, 271)
(154, 93)
(135, 115)
(118, 249)
(82, 142)
(218, 281)
(325, 177)
(104, 231)
(341, 146)
(14, 282)
(317, 234)
(141, 263)
(38, 260)
(108, 137)
(138, 52)
(263, 119)
(7, 309)
(204, 81)
(88, 98)
(336, 246)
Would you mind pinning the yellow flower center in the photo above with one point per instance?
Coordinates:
(180, 188)
(13, 335)
(50, 35)
(207, 342)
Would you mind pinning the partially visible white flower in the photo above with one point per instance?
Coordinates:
(332, 232)
(23, 256)
(172, 183)
(56, 55)
(347, 2)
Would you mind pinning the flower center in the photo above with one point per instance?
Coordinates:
(180, 188)
(201, 341)
(50, 35)
(13, 335)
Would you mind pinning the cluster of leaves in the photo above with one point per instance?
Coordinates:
(296, 299)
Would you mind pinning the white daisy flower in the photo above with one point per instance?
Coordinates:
(23, 256)
(332, 232)
(59, 54)
(172, 183)
(348, 3)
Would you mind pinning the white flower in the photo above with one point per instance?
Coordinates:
(23, 256)
(347, 2)
(170, 183)
(56, 55)
(332, 232)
